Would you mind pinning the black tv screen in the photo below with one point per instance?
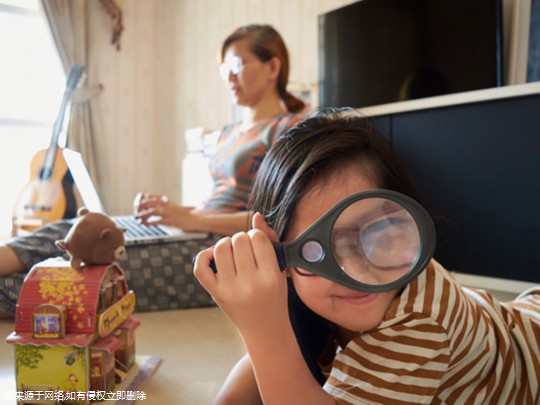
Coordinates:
(381, 51)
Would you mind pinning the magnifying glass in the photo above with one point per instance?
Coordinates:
(372, 241)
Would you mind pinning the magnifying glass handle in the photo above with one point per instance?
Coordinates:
(280, 254)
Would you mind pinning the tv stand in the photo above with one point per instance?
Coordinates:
(469, 97)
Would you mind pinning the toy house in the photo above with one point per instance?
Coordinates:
(74, 330)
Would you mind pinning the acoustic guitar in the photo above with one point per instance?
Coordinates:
(49, 195)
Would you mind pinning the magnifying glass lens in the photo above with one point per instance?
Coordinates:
(375, 241)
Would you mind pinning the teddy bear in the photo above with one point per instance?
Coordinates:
(93, 239)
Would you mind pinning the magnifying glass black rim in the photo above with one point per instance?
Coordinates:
(321, 232)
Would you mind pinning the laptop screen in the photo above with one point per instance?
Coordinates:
(81, 177)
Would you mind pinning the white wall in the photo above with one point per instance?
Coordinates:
(164, 80)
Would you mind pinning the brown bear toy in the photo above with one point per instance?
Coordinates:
(93, 239)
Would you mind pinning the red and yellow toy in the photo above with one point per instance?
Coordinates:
(74, 329)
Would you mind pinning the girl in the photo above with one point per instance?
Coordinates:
(429, 342)
(256, 69)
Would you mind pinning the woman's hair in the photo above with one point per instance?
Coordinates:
(324, 143)
(266, 43)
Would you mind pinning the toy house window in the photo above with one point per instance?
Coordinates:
(125, 355)
(102, 305)
(97, 364)
(115, 290)
(106, 295)
(97, 374)
(120, 287)
(130, 338)
(48, 322)
(110, 361)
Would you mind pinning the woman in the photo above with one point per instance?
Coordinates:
(431, 341)
(255, 65)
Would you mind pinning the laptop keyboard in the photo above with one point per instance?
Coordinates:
(135, 229)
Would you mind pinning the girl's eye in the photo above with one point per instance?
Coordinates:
(345, 243)
(391, 242)
(387, 242)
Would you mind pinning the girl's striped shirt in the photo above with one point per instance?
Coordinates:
(442, 343)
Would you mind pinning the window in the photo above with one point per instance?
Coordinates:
(49, 323)
(32, 83)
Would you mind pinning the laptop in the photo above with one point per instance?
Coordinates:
(136, 232)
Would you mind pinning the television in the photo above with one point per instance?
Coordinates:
(375, 52)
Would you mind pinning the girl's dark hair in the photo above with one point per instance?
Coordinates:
(326, 142)
(266, 43)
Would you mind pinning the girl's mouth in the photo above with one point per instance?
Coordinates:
(356, 299)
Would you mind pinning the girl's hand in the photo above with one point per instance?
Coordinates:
(248, 286)
(155, 209)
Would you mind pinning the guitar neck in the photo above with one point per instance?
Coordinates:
(48, 163)
(74, 77)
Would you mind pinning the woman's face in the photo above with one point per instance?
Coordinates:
(350, 309)
(254, 79)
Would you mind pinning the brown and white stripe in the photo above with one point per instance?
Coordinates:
(442, 343)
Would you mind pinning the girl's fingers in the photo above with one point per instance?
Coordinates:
(258, 222)
(202, 270)
(243, 254)
(263, 251)
(267, 255)
(224, 259)
(236, 258)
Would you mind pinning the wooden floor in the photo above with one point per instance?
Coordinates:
(198, 348)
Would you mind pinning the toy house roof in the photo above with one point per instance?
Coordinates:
(80, 340)
(55, 282)
(109, 343)
(131, 323)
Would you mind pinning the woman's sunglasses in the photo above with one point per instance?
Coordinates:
(230, 65)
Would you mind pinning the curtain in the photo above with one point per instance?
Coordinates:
(67, 21)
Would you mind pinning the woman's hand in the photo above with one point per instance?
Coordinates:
(248, 285)
(155, 209)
